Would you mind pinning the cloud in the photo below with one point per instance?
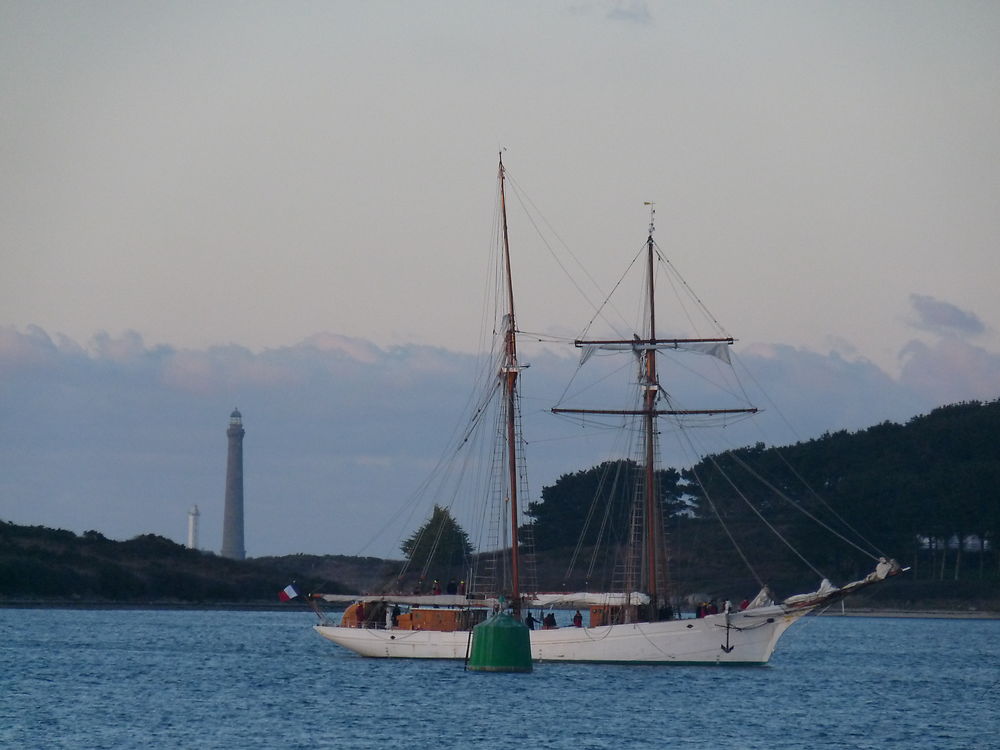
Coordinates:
(633, 11)
(127, 348)
(355, 348)
(942, 317)
(950, 370)
(818, 393)
(23, 350)
(225, 369)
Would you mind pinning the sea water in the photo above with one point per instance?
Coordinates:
(210, 679)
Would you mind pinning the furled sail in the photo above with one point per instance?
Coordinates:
(717, 349)
(579, 599)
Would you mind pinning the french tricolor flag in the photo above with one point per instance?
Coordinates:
(288, 593)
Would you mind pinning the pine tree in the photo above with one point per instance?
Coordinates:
(439, 541)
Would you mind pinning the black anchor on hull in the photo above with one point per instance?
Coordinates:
(727, 648)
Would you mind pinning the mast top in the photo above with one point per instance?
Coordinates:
(652, 214)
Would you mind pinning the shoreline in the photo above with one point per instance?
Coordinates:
(929, 614)
(941, 614)
(193, 606)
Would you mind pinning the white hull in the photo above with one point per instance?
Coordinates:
(750, 638)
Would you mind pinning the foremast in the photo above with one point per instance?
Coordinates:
(645, 349)
(508, 374)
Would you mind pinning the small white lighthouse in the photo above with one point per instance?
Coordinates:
(193, 527)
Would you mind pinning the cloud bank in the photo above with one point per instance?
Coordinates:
(124, 438)
(943, 317)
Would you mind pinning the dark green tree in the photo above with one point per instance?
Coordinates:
(920, 492)
(440, 541)
(595, 503)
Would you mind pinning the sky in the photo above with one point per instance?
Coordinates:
(287, 207)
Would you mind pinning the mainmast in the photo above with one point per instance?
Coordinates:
(650, 388)
(508, 374)
(646, 349)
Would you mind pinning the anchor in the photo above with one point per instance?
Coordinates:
(727, 648)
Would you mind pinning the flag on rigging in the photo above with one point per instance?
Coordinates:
(288, 593)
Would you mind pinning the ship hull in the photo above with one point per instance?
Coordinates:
(747, 638)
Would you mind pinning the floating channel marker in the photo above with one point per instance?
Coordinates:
(501, 644)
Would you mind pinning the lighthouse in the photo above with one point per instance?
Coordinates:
(193, 527)
(232, 523)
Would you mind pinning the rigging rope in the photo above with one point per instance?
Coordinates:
(750, 470)
(607, 298)
(784, 460)
(739, 550)
(688, 289)
(525, 200)
(759, 515)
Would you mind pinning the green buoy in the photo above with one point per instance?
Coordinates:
(501, 644)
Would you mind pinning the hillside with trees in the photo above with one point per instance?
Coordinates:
(54, 565)
(926, 492)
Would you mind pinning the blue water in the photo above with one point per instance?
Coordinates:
(181, 679)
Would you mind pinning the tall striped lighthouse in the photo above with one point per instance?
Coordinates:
(232, 522)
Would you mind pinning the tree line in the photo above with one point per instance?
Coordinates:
(926, 492)
(39, 563)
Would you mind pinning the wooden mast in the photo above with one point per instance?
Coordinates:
(649, 423)
(509, 373)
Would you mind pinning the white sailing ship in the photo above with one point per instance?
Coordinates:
(638, 624)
